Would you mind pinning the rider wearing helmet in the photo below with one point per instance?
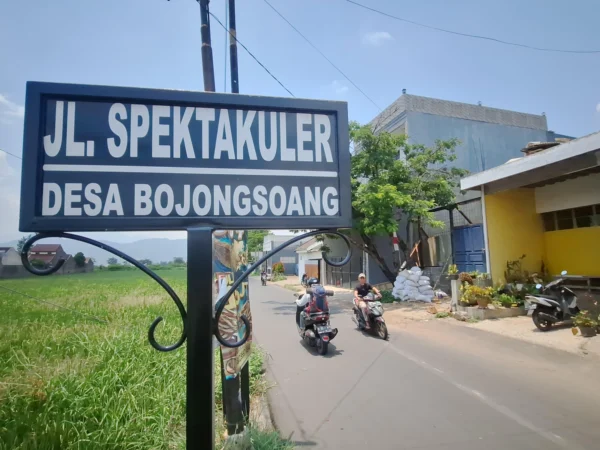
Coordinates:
(362, 289)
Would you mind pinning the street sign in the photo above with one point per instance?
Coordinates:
(100, 158)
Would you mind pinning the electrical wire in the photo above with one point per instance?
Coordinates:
(225, 53)
(252, 55)
(11, 154)
(323, 55)
(53, 304)
(474, 36)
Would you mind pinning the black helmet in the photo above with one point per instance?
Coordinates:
(312, 281)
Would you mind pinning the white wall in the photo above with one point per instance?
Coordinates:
(11, 258)
(583, 191)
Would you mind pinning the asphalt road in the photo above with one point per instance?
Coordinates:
(433, 385)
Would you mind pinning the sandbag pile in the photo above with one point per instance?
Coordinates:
(412, 286)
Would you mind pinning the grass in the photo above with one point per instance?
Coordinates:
(69, 382)
(442, 315)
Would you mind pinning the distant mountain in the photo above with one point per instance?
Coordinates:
(156, 250)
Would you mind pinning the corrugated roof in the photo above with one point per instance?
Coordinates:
(306, 245)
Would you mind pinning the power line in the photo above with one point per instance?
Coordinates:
(474, 36)
(323, 55)
(53, 304)
(11, 154)
(253, 57)
(225, 57)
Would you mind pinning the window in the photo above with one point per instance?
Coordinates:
(548, 219)
(566, 219)
(584, 216)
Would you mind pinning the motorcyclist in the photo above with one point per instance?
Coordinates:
(303, 301)
(362, 289)
(263, 275)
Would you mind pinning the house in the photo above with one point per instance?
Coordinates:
(545, 205)
(49, 254)
(310, 259)
(488, 138)
(9, 256)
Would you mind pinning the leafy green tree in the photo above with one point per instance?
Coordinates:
(392, 178)
(22, 241)
(146, 262)
(79, 259)
(112, 261)
(255, 240)
(178, 261)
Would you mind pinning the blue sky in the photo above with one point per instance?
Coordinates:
(156, 43)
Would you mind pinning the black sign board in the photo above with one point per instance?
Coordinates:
(102, 158)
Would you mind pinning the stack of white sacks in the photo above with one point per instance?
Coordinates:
(412, 286)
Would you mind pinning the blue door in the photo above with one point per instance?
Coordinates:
(469, 248)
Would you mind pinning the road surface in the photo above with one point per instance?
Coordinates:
(433, 385)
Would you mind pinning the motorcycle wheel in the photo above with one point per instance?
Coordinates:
(542, 325)
(382, 330)
(322, 347)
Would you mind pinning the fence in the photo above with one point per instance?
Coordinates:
(345, 276)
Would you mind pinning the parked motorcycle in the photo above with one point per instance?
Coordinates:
(312, 317)
(555, 303)
(376, 321)
(263, 279)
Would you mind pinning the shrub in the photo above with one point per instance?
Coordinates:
(507, 300)
(464, 277)
(278, 268)
(471, 293)
(442, 315)
(452, 269)
(387, 297)
(584, 319)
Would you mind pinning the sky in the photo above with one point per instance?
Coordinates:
(156, 44)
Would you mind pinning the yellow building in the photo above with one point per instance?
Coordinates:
(546, 206)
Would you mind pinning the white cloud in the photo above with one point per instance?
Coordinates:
(11, 109)
(376, 38)
(339, 87)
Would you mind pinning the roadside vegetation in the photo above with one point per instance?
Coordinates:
(69, 381)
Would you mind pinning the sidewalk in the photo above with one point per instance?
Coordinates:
(560, 337)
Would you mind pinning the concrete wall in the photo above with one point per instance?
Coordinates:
(514, 229)
(576, 251)
(484, 145)
(582, 191)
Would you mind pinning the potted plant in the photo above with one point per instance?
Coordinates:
(464, 277)
(483, 280)
(453, 272)
(586, 324)
(507, 300)
(477, 295)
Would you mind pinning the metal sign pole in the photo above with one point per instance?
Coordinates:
(200, 421)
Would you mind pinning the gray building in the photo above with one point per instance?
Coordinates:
(287, 256)
(489, 137)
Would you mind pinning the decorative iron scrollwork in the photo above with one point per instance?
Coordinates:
(182, 312)
(223, 301)
(129, 259)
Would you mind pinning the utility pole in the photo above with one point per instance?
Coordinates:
(233, 59)
(208, 70)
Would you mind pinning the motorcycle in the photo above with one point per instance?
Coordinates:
(375, 314)
(263, 279)
(555, 303)
(312, 318)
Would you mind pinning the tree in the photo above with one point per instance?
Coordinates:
(79, 259)
(255, 240)
(22, 241)
(385, 187)
(38, 264)
(146, 262)
(178, 261)
(112, 261)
